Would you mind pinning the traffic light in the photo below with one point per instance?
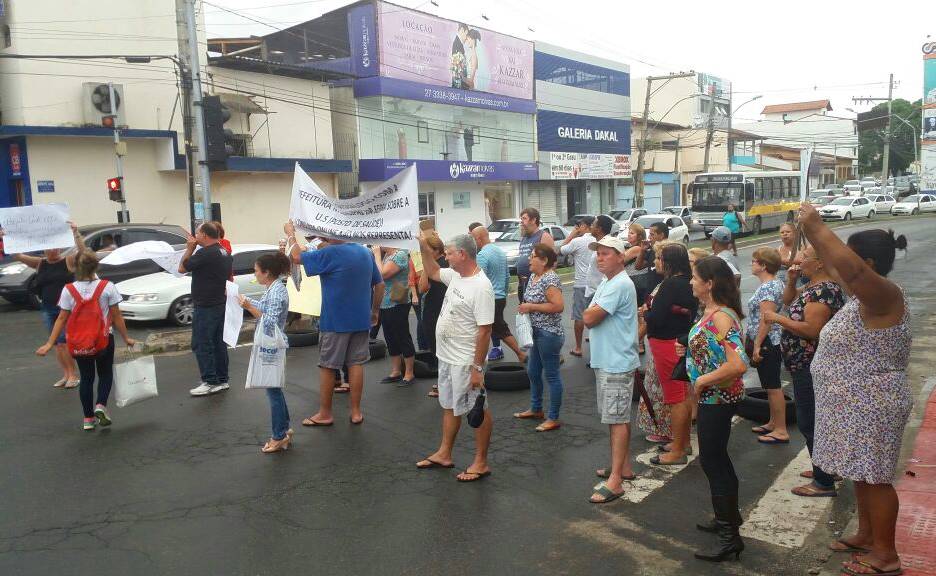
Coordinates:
(216, 114)
(115, 189)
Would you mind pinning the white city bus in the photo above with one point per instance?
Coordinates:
(765, 199)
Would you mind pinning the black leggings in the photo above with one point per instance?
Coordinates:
(714, 429)
(103, 364)
(395, 322)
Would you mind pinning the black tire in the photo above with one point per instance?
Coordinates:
(181, 311)
(871, 215)
(302, 339)
(756, 229)
(754, 407)
(425, 365)
(378, 349)
(847, 216)
(506, 376)
(685, 240)
(915, 211)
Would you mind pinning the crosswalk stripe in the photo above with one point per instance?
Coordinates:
(782, 518)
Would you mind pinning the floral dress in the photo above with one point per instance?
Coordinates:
(863, 396)
(797, 351)
(770, 291)
(663, 424)
(705, 354)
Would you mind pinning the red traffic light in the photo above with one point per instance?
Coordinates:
(115, 189)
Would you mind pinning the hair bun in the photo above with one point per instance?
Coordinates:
(900, 242)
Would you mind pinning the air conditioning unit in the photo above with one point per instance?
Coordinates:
(96, 103)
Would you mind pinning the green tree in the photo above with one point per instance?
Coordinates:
(871, 142)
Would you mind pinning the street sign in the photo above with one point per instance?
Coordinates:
(44, 186)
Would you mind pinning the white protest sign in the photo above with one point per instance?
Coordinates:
(138, 251)
(171, 262)
(387, 214)
(233, 315)
(38, 227)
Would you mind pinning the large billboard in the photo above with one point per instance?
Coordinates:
(573, 166)
(928, 147)
(427, 49)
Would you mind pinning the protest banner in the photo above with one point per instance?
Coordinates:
(162, 253)
(33, 228)
(387, 214)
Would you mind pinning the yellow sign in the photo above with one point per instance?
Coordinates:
(308, 299)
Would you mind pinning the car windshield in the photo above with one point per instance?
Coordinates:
(502, 225)
(822, 200)
(512, 236)
(620, 214)
(646, 221)
(912, 198)
(841, 202)
(674, 210)
(852, 182)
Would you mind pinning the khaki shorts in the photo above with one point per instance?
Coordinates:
(615, 391)
(455, 391)
(340, 349)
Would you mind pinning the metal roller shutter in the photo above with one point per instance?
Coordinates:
(544, 196)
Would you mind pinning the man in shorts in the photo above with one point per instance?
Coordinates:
(612, 319)
(462, 337)
(493, 262)
(577, 246)
(352, 288)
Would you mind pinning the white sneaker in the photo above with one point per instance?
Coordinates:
(202, 389)
(220, 388)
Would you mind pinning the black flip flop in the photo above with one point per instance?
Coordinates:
(477, 476)
(312, 422)
(608, 494)
(848, 547)
(433, 464)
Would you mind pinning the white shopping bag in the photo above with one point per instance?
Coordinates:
(524, 331)
(267, 367)
(135, 381)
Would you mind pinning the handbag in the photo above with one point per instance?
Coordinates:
(524, 331)
(135, 381)
(267, 368)
(680, 371)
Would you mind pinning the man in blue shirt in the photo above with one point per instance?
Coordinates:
(352, 288)
(493, 261)
(612, 319)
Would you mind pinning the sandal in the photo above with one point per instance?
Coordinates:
(846, 547)
(809, 474)
(60, 383)
(768, 439)
(432, 464)
(849, 568)
(762, 430)
(812, 491)
(530, 415)
(343, 389)
(71, 384)
(477, 476)
(310, 422)
(607, 494)
(606, 473)
(548, 425)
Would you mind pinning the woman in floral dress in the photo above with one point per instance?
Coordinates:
(863, 397)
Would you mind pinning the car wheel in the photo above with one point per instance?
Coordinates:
(506, 376)
(756, 230)
(425, 365)
(915, 212)
(755, 407)
(302, 339)
(871, 215)
(685, 240)
(847, 216)
(182, 310)
(378, 349)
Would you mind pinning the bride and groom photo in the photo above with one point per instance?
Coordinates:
(466, 56)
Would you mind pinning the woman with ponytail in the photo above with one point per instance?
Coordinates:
(271, 310)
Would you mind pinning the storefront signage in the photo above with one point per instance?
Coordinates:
(424, 48)
(16, 160)
(44, 186)
(561, 132)
(575, 166)
(445, 171)
(362, 33)
(428, 93)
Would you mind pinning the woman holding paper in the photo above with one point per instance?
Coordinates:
(53, 272)
(271, 310)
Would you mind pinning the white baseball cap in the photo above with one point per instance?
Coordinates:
(611, 242)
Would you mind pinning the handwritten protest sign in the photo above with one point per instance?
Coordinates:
(38, 227)
(387, 214)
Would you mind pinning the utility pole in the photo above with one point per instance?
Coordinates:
(709, 132)
(198, 128)
(120, 149)
(642, 142)
(887, 130)
(185, 83)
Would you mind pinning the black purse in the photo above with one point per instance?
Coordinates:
(680, 372)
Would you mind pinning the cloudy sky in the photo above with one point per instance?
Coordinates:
(785, 51)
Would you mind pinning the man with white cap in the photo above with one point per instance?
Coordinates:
(612, 319)
(722, 242)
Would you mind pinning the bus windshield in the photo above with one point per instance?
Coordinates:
(715, 196)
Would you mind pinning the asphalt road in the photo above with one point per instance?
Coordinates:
(178, 485)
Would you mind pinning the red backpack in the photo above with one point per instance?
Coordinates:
(87, 332)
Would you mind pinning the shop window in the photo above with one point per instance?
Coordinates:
(7, 37)
(422, 131)
(426, 204)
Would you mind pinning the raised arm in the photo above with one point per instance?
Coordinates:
(879, 296)
(293, 249)
(79, 248)
(430, 266)
(190, 244)
(815, 316)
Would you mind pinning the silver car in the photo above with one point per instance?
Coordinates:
(510, 243)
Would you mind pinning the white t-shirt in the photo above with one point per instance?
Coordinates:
(581, 253)
(595, 277)
(732, 260)
(469, 303)
(109, 297)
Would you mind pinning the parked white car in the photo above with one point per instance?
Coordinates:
(882, 202)
(626, 216)
(915, 204)
(510, 244)
(678, 230)
(498, 228)
(852, 187)
(162, 296)
(847, 207)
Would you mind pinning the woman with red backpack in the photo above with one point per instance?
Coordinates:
(88, 308)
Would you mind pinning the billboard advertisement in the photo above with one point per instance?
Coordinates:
(430, 50)
(362, 32)
(378, 169)
(713, 86)
(561, 132)
(573, 166)
(929, 80)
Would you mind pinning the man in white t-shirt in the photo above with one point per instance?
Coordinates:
(577, 246)
(463, 334)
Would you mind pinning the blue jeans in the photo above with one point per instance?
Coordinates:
(806, 420)
(208, 344)
(544, 359)
(422, 343)
(279, 412)
(49, 316)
